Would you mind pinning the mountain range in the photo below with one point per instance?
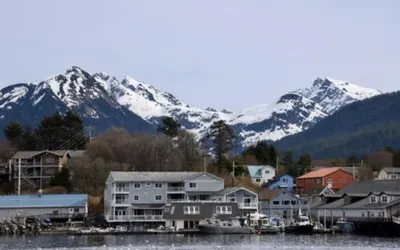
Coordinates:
(105, 101)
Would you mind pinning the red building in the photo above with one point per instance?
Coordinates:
(336, 177)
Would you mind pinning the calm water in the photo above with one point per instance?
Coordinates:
(200, 242)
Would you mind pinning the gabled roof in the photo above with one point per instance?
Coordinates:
(230, 190)
(316, 191)
(155, 176)
(267, 195)
(319, 173)
(391, 170)
(255, 170)
(30, 154)
(44, 200)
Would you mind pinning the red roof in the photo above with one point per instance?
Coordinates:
(319, 173)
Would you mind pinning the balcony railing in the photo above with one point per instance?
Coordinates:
(121, 190)
(175, 189)
(134, 218)
(248, 205)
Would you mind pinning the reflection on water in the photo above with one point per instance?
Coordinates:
(252, 242)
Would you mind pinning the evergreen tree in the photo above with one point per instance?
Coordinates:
(73, 127)
(169, 126)
(62, 179)
(29, 139)
(289, 163)
(352, 160)
(265, 154)
(13, 132)
(224, 139)
(50, 132)
(304, 163)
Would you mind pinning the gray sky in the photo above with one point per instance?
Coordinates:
(224, 54)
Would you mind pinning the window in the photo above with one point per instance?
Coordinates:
(121, 199)
(158, 185)
(393, 176)
(284, 180)
(191, 210)
(136, 185)
(362, 214)
(192, 185)
(148, 184)
(232, 199)
(267, 171)
(136, 197)
(258, 180)
(379, 214)
(285, 192)
(275, 202)
(293, 202)
(76, 210)
(384, 198)
(158, 197)
(373, 199)
(286, 202)
(372, 214)
(122, 187)
(224, 209)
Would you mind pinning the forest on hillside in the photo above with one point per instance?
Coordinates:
(358, 128)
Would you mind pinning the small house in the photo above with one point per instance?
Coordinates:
(260, 174)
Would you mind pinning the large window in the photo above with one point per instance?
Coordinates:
(224, 209)
(158, 185)
(136, 185)
(136, 197)
(192, 185)
(158, 197)
(191, 210)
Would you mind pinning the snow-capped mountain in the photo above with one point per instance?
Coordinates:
(104, 101)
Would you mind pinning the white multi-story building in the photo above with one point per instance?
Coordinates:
(261, 174)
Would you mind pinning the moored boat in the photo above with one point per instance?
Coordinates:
(230, 226)
(301, 225)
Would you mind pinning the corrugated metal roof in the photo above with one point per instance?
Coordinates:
(319, 173)
(154, 176)
(45, 200)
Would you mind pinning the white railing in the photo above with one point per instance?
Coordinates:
(121, 190)
(134, 218)
(248, 205)
(175, 189)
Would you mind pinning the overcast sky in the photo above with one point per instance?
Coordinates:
(224, 54)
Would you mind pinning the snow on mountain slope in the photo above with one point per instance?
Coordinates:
(133, 105)
(333, 94)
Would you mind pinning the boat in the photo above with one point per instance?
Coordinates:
(262, 225)
(301, 225)
(344, 226)
(235, 225)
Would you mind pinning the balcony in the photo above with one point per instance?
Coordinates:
(175, 189)
(132, 218)
(248, 205)
(121, 190)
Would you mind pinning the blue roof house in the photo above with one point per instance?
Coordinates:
(283, 181)
(44, 205)
(260, 174)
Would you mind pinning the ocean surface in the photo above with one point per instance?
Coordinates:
(200, 242)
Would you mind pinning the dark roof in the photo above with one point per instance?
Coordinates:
(362, 187)
(147, 206)
(312, 191)
(176, 210)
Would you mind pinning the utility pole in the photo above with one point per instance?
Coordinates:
(41, 172)
(233, 173)
(19, 176)
(205, 162)
(90, 133)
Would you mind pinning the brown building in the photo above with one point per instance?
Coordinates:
(336, 178)
(37, 167)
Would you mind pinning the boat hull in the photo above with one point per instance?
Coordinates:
(224, 230)
(299, 229)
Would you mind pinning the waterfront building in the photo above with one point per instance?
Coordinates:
(52, 206)
(281, 203)
(188, 214)
(143, 197)
(260, 174)
(336, 177)
(364, 200)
